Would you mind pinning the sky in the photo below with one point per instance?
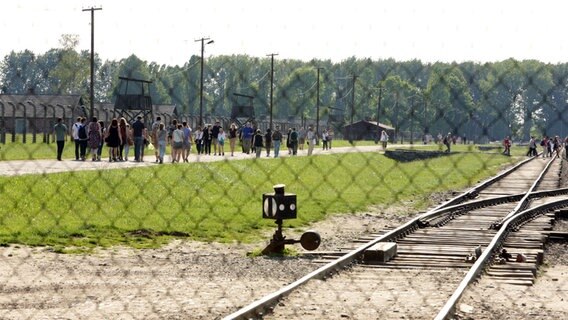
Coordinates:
(165, 31)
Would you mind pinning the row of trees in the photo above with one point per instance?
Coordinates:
(491, 100)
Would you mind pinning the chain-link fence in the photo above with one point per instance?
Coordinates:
(146, 203)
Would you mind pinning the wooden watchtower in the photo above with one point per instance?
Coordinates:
(133, 99)
(242, 112)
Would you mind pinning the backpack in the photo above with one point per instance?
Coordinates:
(294, 136)
(82, 133)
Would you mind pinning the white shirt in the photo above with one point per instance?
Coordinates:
(75, 130)
(178, 135)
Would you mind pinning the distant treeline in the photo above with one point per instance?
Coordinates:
(489, 100)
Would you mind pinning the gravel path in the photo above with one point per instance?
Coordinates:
(20, 167)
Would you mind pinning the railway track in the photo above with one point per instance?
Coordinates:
(429, 271)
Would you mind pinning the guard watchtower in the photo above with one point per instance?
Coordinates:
(133, 99)
(242, 111)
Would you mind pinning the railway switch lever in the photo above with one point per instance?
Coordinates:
(280, 206)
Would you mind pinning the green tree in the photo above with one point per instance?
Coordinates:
(449, 101)
(19, 73)
(398, 97)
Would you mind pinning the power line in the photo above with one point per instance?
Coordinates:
(313, 86)
(257, 82)
(180, 71)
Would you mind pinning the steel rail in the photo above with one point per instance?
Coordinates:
(510, 224)
(474, 191)
(259, 307)
(524, 202)
(504, 228)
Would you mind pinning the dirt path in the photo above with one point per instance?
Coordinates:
(20, 167)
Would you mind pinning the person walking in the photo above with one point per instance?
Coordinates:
(268, 141)
(277, 140)
(507, 146)
(221, 136)
(123, 142)
(257, 142)
(103, 133)
(215, 137)
(59, 132)
(186, 149)
(113, 140)
(247, 133)
(75, 136)
(448, 141)
(199, 140)
(550, 145)
(95, 137)
(324, 139)
(83, 138)
(329, 138)
(232, 138)
(177, 143)
(311, 140)
(384, 139)
(557, 145)
(544, 145)
(138, 133)
(154, 138)
(207, 139)
(294, 141)
(129, 141)
(162, 141)
(532, 148)
(301, 138)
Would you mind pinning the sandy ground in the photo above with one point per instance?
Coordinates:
(191, 280)
(184, 280)
(546, 299)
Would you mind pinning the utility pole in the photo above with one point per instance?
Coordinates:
(379, 112)
(201, 79)
(352, 109)
(92, 93)
(412, 120)
(318, 102)
(271, 84)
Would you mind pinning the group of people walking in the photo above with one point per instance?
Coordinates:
(93, 136)
(550, 145)
(119, 137)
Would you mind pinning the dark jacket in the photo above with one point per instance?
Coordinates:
(257, 140)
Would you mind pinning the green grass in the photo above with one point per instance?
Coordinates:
(218, 201)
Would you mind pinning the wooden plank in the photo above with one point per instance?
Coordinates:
(510, 275)
(519, 282)
(557, 234)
